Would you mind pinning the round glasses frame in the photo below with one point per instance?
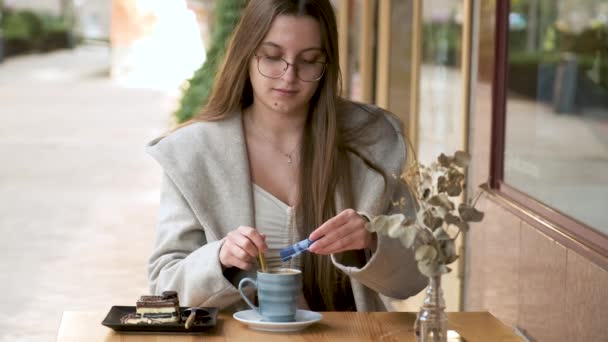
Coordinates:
(293, 65)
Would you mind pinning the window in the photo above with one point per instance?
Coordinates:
(442, 114)
(555, 96)
(556, 146)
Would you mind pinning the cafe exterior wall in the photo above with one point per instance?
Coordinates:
(521, 274)
(527, 277)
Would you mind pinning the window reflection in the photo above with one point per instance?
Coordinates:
(399, 89)
(354, 35)
(557, 107)
(441, 109)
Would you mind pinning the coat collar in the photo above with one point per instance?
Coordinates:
(208, 163)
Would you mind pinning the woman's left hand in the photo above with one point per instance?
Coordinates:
(343, 232)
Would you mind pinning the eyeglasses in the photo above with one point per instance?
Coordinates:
(275, 67)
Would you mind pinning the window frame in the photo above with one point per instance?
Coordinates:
(569, 232)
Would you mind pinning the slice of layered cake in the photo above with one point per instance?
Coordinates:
(155, 309)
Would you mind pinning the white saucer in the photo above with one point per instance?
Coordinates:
(304, 318)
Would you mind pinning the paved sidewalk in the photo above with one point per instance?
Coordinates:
(78, 195)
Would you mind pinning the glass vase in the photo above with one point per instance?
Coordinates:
(432, 322)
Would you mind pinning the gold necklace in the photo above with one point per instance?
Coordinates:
(273, 145)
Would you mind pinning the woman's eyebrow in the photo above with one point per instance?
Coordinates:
(271, 44)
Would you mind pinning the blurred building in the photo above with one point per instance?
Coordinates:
(155, 43)
(93, 18)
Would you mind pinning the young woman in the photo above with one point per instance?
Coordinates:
(275, 157)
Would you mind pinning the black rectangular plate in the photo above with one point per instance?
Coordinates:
(112, 320)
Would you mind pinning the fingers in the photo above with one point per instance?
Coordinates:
(249, 240)
(255, 237)
(232, 255)
(332, 224)
(336, 243)
(346, 231)
(242, 247)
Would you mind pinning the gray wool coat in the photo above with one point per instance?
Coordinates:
(207, 192)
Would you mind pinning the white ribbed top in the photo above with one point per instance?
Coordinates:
(278, 221)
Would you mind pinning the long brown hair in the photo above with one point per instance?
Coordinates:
(320, 177)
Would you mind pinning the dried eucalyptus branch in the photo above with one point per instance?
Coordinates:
(427, 232)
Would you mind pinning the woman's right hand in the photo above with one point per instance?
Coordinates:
(241, 248)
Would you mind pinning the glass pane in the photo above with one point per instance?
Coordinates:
(354, 36)
(557, 106)
(400, 59)
(441, 111)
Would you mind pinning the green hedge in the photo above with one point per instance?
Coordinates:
(198, 89)
(27, 30)
(25, 25)
(585, 61)
(590, 46)
(533, 75)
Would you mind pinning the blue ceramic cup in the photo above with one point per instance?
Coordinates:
(278, 290)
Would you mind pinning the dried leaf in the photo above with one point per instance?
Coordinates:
(439, 212)
(426, 253)
(409, 221)
(449, 251)
(424, 236)
(463, 225)
(462, 159)
(399, 228)
(408, 238)
(429, 269)
(441, 235)
(442, 184)
(451, 219)
(395, 231)
(454, 190)
(451, 260)
(441, 200)
(469, 213)
(431, 220)
(443, 269)
(455, 176)
(456, 221)
(382, 223)
(444, 160)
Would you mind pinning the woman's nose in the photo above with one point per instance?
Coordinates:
(291, 74)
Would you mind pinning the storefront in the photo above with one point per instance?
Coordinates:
(523, 86)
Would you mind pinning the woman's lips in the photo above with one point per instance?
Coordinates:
(285, 92)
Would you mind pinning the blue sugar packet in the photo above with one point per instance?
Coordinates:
(295, 250)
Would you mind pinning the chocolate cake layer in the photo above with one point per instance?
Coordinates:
(157, 304)
(169, 294)
(155, 309)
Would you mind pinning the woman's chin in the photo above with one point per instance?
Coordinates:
(286, 107)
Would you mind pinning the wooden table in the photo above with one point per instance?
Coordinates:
(336, 326)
